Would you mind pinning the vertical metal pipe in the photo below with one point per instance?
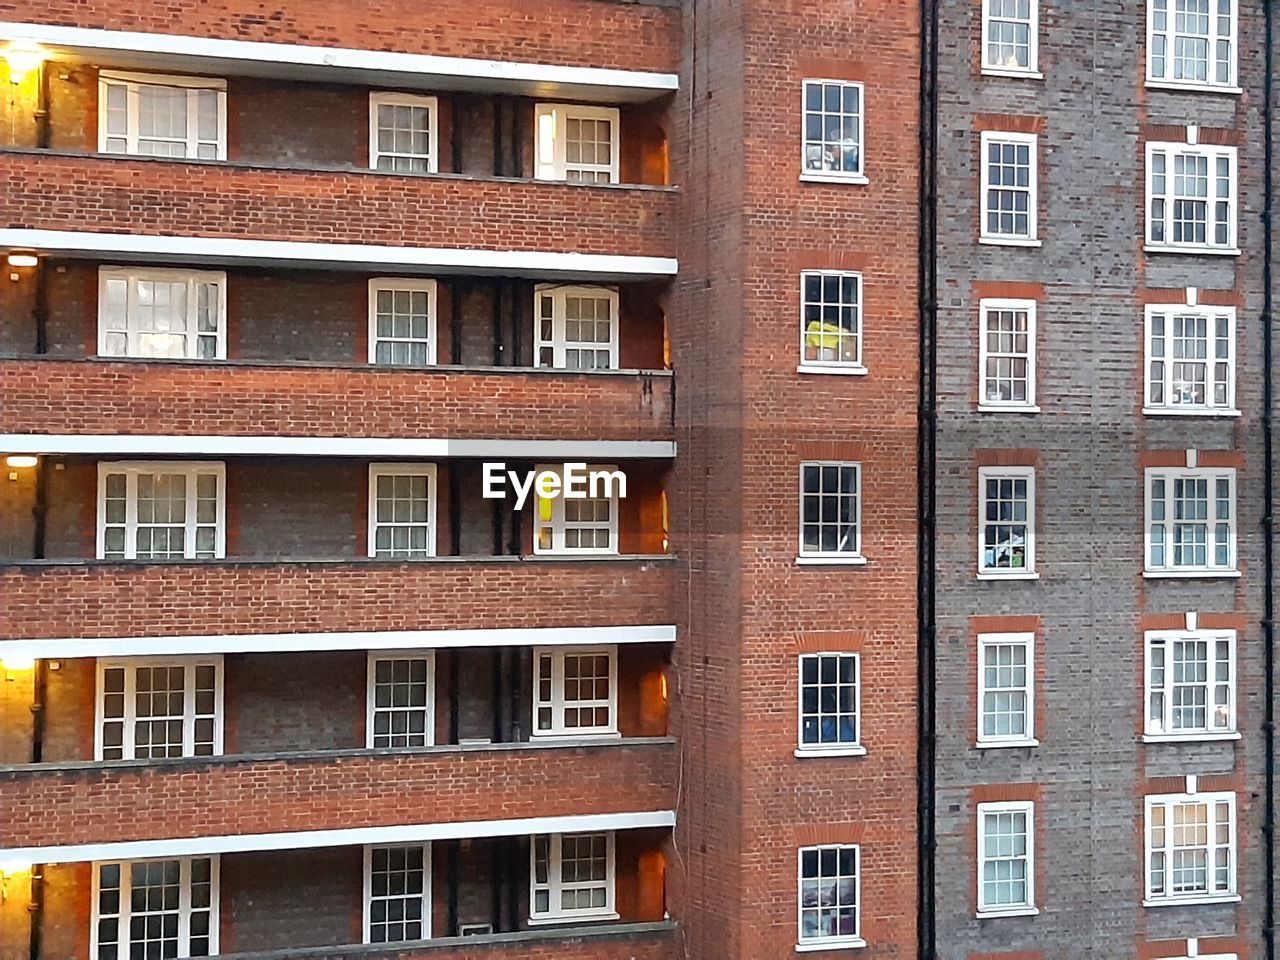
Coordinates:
(457, 290)
(40, 510)
(38, 710)
(43, 137)
(41, 306)
(36, 911)
(451, 919)
(455, 129)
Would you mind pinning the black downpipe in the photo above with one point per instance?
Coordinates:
(43, 126)
(36, 910)
(517, 879)
(459, 289)
(451, 919)
(514, 675)
(517, 321)
(40, 510)
(497, 136)
(1268, 467)
(42, 308)
(496, 863)
(455, 695)
(495, 289)
(518, 110)
(455, 510)
(498, 664)
(455, 129)
(39, 698)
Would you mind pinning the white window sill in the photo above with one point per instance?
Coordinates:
(1020, 575)
(846, 370)
(575, 736)
(1189, 412)
(1005, 744)
(1188, 737)
(1190, 574)
(832, 943)
(577, 554)
(1193, 901)
(584, 917)
(853, 560)
(1009, 241)
(1193, 87)
(1192, 250)
(1008, 912)
(853, 750)
(853, 178)
(1007, 408)
(1013, 72)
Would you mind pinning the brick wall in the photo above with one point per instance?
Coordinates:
(279, 702)
(296, 898)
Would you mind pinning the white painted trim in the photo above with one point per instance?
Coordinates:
(558, 526)
(557, 703)
(819, 175)
(1164, 731)
(371, 683)
(852, 747)
(130, 667)
(551, 137)
(558, 344)
(367, 889)
(184, 906)
(819, 557)
(828, 943)
(1167, 81)
(1212, 153)
(833, 366)
(555, 884)
(1169, 802)
(192, 278)
(1167, 312)
(395, 284)
(208, 251)
(1032, 21)
(379, 470)
(391, 98)
(191, 471)
(1190, 472)
(1028, 809)
(132, 82)
(341, 837)
(986, 307)
(1026, 640)
(1028, 569)
(1031, 140)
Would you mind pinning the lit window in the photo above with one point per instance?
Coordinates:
(161, 511)
(577, 328)
(1007, 354)
(1009, 163)
(1191, 847)
(833, 130)
(1190, 683)
(402, 510)
(1192, 43)
(829, 703)
(831, 510)
(1191, 197)
(171, 314)
(572, 877)
(155, 908)
(151, 115)
(1191, 520)
(1010, 30)
(402, 133)
(402, 322)
(397, 900)
(401, 700)
(831, 319)
(1006, 712)
(577, 143)
(1191, 362)
(1006, 847)
(830, 894)
(575, 692)
(580, 524)
(153, 709)
(1006, 526)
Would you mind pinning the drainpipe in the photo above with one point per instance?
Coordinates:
(40, 510)
(41, 307)
(41, 113)
(39, 697)
(1268, 472)
(457, 290)
(455, 130)
(36, 911)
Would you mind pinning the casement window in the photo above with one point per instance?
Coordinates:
(153, 709)
(1191, 197)
(576, 328)
(831, 511)
(830, 897)
(147, 114)
(834, 126)
(166, 510)
(402, 133)
(1006, 858)
(1191, 520)
(1192, 43)
(1008, 201)
(156, 313)
(1006, 524)
(579, 525)
(1191, 362)
(575, 692)
(397, 894)
(831, 320)
(402, 510)
(402, 322)
(155, 909)
(572, 877)
(1006, 689)
(1010, 37)
(1190, 683)
(401, 700)
(1191, 848)
(830, 703)
(577, 143)
(1007, 354)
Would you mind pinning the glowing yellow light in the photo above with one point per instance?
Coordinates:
(13, 664)
(20, 461)
(664, 686)
(22, 57)
(10, 868)
(23, 260)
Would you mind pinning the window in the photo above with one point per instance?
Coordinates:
(1191, 521)
(402, 133)
(576, 693)
(831, 510)
(167, 510)
(577, 328)
(830, 897)
(577, 143)
(1006, 689)
(833, 131)
(1191, 197)
(1191, 362)
(1007, 354)
(153, 709)
(1192, 43)
(1191, 847)
(1006, 858)
(572, 877)
(831, 320)
(829, 703)
(155, 909)
(1009, 188)
(150, 115)
(402, 322)
(172, 314)
(1190, 683)
(1010, 29)
(401, 700)
(397, 894)
(579, 525)
(1006, 508)
(402, 510)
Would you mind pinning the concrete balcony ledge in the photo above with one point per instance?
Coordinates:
(375, 562)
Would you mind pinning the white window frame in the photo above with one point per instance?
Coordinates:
(1169, 802)
(1211, 316)
(371, 688)
(131, 82)
(557, 703)
(855, 366)
(1032, 69)
(130, 667)
(555, 883)
(807, 944)
(550, 128)
(851, 748)
(380, 99)
(1032, 141)
(1211, 475)
(1211, 85)
(184, 903)
(558, 525)
(833, 176)
(190, 468)
(987, 307)
(1028, 642)
(1212, 154)
(411, 285)
(367, 892)
(377, 470)
(193, 279)
(1162, 730)
(1028, 569)
(820, 556)
(1027, 908)
(559, 345)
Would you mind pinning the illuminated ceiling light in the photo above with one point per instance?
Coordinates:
(23, 260)
(22, 57)
(21, 461)
(10, 868)
(17, 664)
